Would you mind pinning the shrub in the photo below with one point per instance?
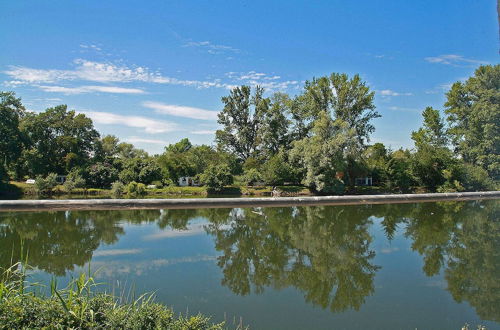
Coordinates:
(78, 307)
(73, 180)
(140, 189)
(475, 178)
(117, 188)
(132, 188)
(216, 177)
(45, 185)
(251, 176)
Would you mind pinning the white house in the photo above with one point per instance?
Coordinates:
(185, 181)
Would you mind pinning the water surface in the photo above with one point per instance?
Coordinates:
(395, 266)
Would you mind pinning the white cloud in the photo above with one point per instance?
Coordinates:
(388, 92)
(90, 89)
(91, 47)
(268, 82)
(453, 59)
(116, 252)
(149, 125)
(181, 111)
(211, 48)
(203, 132)
(395, 108)
(136, 139)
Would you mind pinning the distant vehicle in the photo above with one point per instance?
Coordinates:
(30, 181)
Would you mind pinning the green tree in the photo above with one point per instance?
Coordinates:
(242, 118)
(143, 170)
(398, 170)
(58, 140)
(11, 111)
(473, 110)
(432, 164)
(216, 177)
(73, 180)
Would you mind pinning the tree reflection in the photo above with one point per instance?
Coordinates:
(322, 251)
(464, 239)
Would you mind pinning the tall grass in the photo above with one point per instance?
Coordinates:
(24, 305)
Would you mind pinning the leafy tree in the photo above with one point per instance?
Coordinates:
(322, 154)
(241, 119)
(101, 175)
(45, 185)
(473, 110)
(117, 188)
(216, 177)
(11, 111)
(143, 170)
(399, 171)
(432, 162)
(274, 131)
(252, 176)
(73, 180)
(376, 157)
(58, 140)
(277, 170)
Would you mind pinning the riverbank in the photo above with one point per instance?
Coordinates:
(20, 189)
(192, 203)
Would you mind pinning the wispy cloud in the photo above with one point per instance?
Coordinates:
(211, 48)
(269, 82)
(136, 139)
(90, 89)
(453, 59)
(396, 108)
(181, 111)
(91, 47)
(203, 132)
(116, 252)
(149, 125)
(388, 92)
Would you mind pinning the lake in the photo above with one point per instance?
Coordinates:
(392, 266)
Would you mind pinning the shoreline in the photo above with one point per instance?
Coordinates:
(194, 203)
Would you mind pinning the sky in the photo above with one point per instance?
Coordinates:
(153, 72)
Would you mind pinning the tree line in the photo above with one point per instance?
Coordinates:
(319, 138)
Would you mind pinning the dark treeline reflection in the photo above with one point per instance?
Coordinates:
(322, 251)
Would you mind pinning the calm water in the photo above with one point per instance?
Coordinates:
(406, 266)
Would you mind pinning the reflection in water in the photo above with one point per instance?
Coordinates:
(324, 252)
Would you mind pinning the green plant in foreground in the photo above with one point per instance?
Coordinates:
(78, 307)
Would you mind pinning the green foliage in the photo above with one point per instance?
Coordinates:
(241, 119)
(131, 188)
(144, 170)
(78, 307)
(11, 111)
(57, 140)
(251, 176)
(216, 177)
(398, 170)
(117, 188)
(45, 185)
(73, 180)
(473, 110)
(475, 178)
(140, 189)
(101, 175)
(277, 170)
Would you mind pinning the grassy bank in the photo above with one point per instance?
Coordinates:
(21, 188)
(78, 307)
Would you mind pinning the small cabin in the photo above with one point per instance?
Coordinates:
(366, 181)
(188, 181)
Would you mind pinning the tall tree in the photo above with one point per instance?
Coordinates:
(11, 110)
(241, 119)
(58, 140)
(473, 110)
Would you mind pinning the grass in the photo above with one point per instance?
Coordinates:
(78, 306)
(234, 190)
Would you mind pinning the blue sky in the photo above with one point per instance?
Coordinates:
(153, 72)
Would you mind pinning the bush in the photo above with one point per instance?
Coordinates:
(140, 189)
(476, 178)
(251, 176)
(216, 177)
(277, 170)
(73, 180)
(117, 188)
(132, 188)
(78, 307)
(45, 185)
